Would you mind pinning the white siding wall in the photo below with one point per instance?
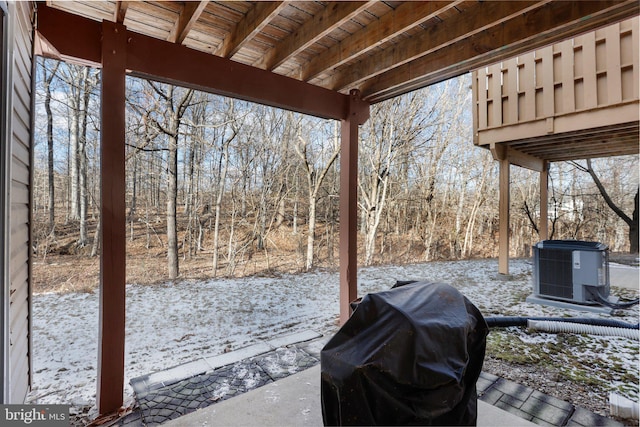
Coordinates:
(17, 230)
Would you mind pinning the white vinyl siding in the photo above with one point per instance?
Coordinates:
(16, 184)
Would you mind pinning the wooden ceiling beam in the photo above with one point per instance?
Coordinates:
(525, 160)
(186, 20)
(54, 34)
(445, 33)
(80, 39)
(120, 12)
(254, 21)
(147, 58)
(374, 34)
(551, 23)
(330, 18)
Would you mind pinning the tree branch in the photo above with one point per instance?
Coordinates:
(530, 216)
(606, 196)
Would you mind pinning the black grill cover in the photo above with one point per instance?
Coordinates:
(407, 356)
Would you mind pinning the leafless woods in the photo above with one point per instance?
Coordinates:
(243, 188)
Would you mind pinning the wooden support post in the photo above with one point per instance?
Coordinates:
(358, 113)
(544, 202)
(112, 257)
(503, 254)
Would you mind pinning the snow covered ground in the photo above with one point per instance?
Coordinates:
(171, 324)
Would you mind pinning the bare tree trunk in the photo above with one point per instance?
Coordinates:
(83, 197)
(231, 263)
(294, 229)
(280, 215)
(96, 240)
(48, 78)
(172, 199)
(222, 174)
(74, 168)
(311, 235)
(134, 195)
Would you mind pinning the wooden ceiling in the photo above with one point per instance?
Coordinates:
(607, 141)
(384, 49)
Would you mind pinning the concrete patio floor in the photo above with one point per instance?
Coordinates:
(295, 401)
(277, 383)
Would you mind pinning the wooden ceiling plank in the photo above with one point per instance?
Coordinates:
(583, 144)
(543, 26)
(151, 14)
(330, 18)
(186, 20)
(121, 11)
(574, 149)
(580, 155)
(95, 10)
(630, 128)
(254, 21)
(456, 29)
(387, 27)
(591, 145)
(618, 139)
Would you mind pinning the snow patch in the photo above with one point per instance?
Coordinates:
(172, 324)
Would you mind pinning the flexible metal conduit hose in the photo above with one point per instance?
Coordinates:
(622, 407)
(506, 321)
(578, 328)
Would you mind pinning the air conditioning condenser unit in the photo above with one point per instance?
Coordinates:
(571, 270)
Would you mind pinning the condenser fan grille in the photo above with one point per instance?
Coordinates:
(556, 274)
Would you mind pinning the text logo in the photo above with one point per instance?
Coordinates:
(34, 415)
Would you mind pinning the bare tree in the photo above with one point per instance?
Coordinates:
(398, 130)
(81, 82)
(268, 161)
(315, 172)
(479, 199)
(50, 69)
(89, 83)
(632, 221)
(72, 75)
(175, 102)
(228, 134)
(393, 129)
